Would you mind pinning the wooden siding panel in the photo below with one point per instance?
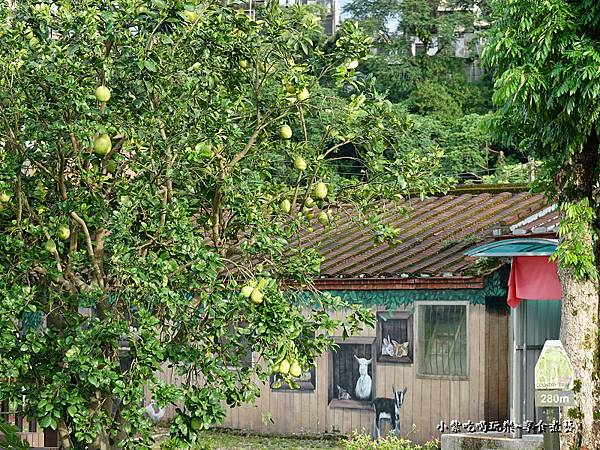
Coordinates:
(496, 362)
(321, 411)
(480, 369)
(502, 358)
(445, 390)
(428, 401)
(473, 363)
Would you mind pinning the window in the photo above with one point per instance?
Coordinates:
(442, 340)
(306, 382)
(419, 49)
(394, 337)
(352, 373)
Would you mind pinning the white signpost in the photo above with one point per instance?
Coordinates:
(553, 386)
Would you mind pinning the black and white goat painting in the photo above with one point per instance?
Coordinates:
(388, 408)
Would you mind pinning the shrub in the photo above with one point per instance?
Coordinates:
(10, 439)
(360, 441)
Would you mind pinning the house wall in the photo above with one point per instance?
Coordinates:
(496, 357)
(428, 401)
(541, 321)
(28, 431)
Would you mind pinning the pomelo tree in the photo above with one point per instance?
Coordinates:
(154, 165)
(545, 55)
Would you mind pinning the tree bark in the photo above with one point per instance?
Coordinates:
(579, 335)
(580, 321)
(63, 435)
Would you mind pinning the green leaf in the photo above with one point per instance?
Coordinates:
(150, 65)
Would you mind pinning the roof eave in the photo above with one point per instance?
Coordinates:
(391, 283)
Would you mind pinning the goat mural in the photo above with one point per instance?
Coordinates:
(364, 382)
(155, 412)
(388, 408)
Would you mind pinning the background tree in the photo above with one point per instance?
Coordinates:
(447, 108)
(155, 163)
(545, 55)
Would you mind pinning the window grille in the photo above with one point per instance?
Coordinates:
(442, 344)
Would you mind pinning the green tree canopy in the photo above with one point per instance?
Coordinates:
(545, 55)
(147, 154)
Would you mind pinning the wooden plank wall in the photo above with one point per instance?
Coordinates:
(496, 355)
(28, 431)
(428, 401)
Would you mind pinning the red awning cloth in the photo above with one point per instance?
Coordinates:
(533, 278)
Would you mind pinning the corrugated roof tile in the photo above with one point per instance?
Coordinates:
(433, 234)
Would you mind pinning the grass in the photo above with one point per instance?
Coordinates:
(228, 440)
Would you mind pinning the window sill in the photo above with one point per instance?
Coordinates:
(443, 377)
(288, 390)
(351, 404)
(303, 386)
(394, 360)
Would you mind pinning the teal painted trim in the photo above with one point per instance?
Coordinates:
(496, 285)
(402, 297)
(31, 320)
(515, 247)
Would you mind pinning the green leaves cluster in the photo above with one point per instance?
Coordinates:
(10, 438)
(167, 227)
(545, 56)
(576, 249)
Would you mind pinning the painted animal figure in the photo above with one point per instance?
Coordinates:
(387, 348)
(154, 412)
(364, 382)
(343, 393)
(400, 350)
(388, 408)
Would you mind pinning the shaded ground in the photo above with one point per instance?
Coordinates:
(216, 440)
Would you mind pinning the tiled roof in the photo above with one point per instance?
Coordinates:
(433, 234)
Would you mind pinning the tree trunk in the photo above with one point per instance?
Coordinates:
(579, 335)
(63, 435)
(580, 321)
(102, 442)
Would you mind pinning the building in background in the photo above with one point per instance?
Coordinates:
(444, 330)
(331, 20)
(467, 44)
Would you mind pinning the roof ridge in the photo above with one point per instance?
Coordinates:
(491, 188)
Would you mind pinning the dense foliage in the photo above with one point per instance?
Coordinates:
(362, 441)
(546, 58)
(420, 66)
(155, 161)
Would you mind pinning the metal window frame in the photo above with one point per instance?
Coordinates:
(417, 349)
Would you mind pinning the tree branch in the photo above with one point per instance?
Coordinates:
(237, 158)
(19, 199)
(90, 248)
(216, 208)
